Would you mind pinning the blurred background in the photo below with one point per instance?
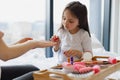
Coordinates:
(40, 19)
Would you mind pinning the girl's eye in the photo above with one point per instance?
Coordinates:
(71, 21)
(64, 18)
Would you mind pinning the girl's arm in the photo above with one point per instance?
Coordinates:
(72, 52)
(87, 47)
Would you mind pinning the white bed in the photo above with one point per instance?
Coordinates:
(36, 57)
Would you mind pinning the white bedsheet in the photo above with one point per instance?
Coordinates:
(36, 57)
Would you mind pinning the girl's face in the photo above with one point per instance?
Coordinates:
(70, 22)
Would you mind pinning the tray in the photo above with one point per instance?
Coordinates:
(59, 75)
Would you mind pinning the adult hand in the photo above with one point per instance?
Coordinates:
(23, 40)
(43, 43)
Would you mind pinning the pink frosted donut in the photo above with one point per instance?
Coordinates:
(85, 70)
(112, 60)
(80, 67)
(76, 67)
(96, 69)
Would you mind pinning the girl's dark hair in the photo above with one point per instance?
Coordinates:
(80, 11)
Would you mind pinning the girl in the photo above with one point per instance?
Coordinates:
(73, 37)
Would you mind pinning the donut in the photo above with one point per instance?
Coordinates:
(112, 60)
(85, 70)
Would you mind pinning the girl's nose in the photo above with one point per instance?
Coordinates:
(66, 22)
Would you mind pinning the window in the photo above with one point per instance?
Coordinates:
(23, 18)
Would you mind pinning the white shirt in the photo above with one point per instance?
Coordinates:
(79, 41)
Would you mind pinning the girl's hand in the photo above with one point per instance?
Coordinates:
(56, 39)
(71, 52)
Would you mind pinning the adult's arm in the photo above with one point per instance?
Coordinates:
(13, 51)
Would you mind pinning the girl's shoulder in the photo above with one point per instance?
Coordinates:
(83, 32)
